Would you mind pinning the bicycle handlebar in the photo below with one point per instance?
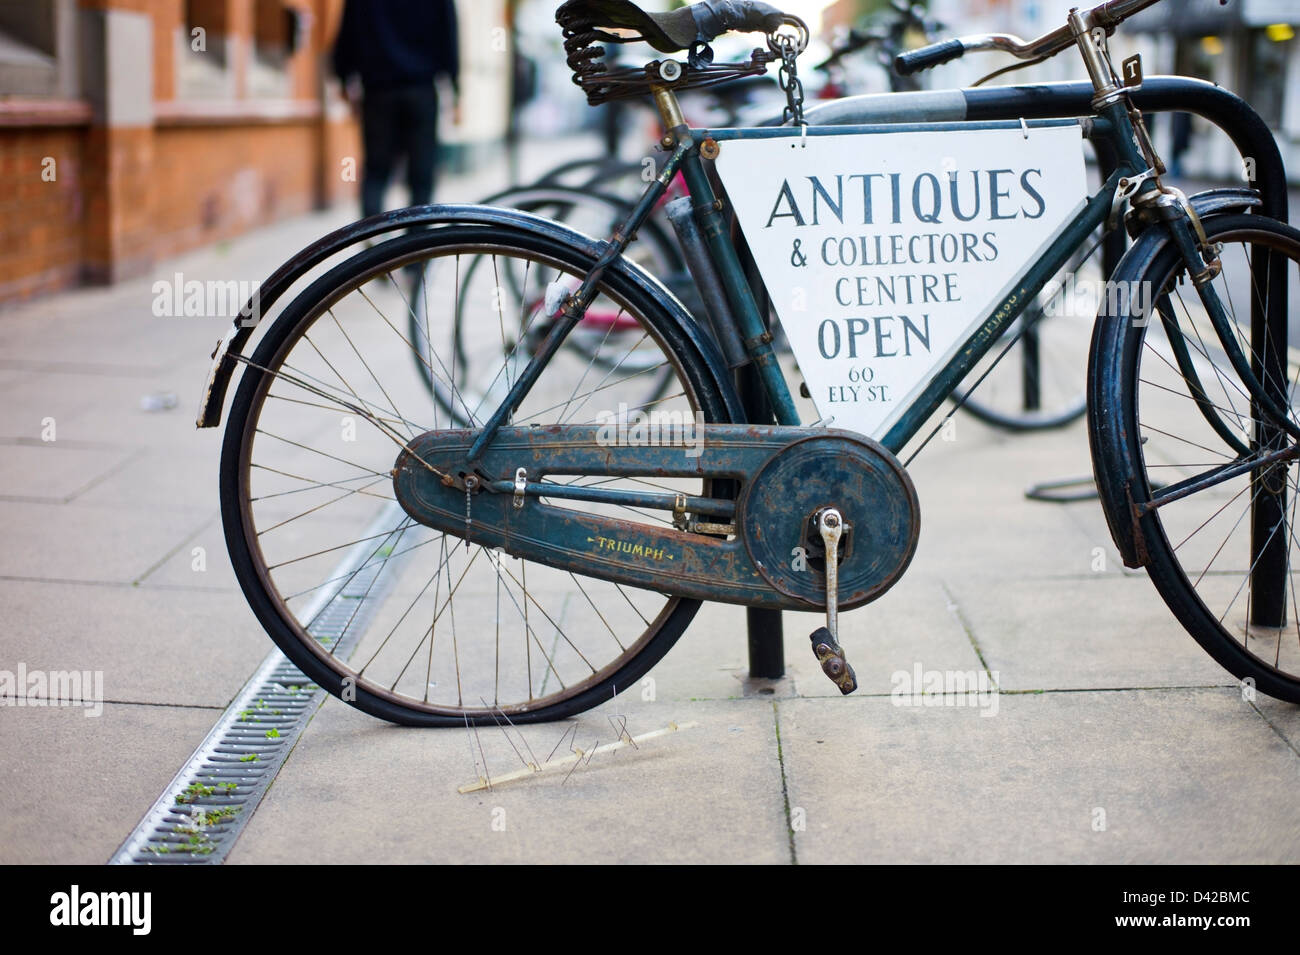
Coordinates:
(928, 57)
(716, 17)
(1106, 16)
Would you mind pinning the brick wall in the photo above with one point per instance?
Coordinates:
(40, 221)
(212, 183)
(125, 195)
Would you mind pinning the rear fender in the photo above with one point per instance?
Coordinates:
(232, 344)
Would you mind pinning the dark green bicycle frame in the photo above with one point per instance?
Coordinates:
(1094, 213)
(1113, 126)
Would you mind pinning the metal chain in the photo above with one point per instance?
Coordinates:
(788, 77)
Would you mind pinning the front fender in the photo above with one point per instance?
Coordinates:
(1105, 383)
(417, 217)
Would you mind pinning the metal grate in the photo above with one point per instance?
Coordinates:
(209, 801)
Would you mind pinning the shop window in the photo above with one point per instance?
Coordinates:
(1265, 69)
(201, 61)
(30, 43)
(277, 29)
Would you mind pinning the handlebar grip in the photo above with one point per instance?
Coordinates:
(716, 17)
(928, 57)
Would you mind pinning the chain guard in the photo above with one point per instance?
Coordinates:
(784, 472)
(869, 487)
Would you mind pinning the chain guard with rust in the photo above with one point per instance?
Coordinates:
(859, 478)
(783, 472)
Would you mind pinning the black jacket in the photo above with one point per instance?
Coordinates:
(395, 43)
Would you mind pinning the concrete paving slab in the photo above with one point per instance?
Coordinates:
(708, 662)
(981, 520)
(180, 475)
(54, 473)
(1088, 517)
(119, 410)
(105, 333)
(1097, 634)
(913, 622)
(355, 789)
(68, 542)
(39, 407)
(183, 648)
(201, 563)
(1283, 717)
(73, 787)
(14, 376)
(1174, 776)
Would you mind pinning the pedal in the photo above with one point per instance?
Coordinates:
(825, 640)
(831, 656)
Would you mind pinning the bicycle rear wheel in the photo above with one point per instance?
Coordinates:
(402, 621)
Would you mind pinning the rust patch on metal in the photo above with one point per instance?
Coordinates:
(1140, 553)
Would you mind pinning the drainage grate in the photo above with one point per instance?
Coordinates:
(201, 813)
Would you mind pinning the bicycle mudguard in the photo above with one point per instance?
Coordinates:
(1105, 396)
(683, 325)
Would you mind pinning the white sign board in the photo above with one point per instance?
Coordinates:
(883, 251)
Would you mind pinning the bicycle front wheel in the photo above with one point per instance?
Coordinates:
(402, 621)
(1214, 483)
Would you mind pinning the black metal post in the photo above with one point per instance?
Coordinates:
(765, 627)
(1268, 320)
(1030, 370)
(1270, 543)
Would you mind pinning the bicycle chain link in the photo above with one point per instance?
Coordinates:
(788, 76)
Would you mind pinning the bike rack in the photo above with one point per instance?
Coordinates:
(1157, 94)
(765, 628)
(1254, 141)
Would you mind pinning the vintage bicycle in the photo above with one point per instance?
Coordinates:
(534, 540)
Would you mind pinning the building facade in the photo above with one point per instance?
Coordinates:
(131, 130)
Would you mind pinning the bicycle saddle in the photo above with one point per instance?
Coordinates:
(669, 32)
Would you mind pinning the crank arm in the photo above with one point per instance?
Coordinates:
(825, 640)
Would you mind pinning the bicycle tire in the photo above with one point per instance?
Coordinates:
(698, 372)
(1123, 435)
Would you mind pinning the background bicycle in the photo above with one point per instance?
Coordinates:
(1038, 385)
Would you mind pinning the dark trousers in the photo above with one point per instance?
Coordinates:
(396, 124)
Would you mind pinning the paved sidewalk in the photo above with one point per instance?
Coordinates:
(1115, 739)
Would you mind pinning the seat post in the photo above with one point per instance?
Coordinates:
(670, 111)
(766, 636)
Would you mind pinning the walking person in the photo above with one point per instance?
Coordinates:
(389, 55)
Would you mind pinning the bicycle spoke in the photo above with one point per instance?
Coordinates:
(414, 609)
